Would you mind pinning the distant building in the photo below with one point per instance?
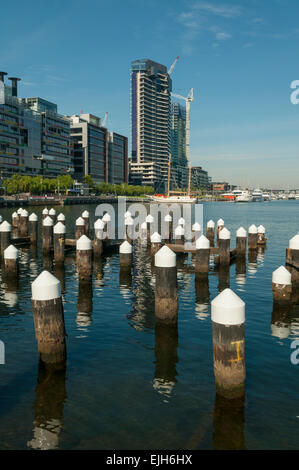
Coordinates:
(150, 120)
(117, 158)
(179, 163)
(200, 178)
(101, 154)
(220, 187)
(147, 174)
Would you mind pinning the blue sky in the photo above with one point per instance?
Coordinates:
(239, 56)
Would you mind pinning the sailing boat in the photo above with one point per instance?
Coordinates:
(175, 196)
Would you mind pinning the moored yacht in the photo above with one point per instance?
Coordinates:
(242, 196)
(257, 195)
(266, 196)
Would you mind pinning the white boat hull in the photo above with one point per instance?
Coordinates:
(174, 199)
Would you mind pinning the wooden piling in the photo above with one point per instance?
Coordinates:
(282, 285)
(241, 242)
(210, 232)
(224, 246)
(179, 235)
(156, 243)
(5, 236)
(47, 242)
(202, 255)
(48, 318)
(33, 228)
(85, 217)
(11, 255)
(84, 258)
(80, 228)
(98, 238)
(252, 237)
(166, 294)
(59, 242)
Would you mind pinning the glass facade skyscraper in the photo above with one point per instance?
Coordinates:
(150, 118)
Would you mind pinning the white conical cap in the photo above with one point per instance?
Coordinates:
(59, 228)
(45, 211)
(14, 215)
(85, 214)
(80, 221)
(202, 243)
(52, 211)
(129, 221)
(106, 217)
(48, 221)
(127, 214)
(11, 252)
(196, 227)
(261, 229)
(19, 211)
(211, 224)
(125, 248)
(5, 227)
(220, 223)
(24, 213)
(99, 224)
(179, 231)
(84, 243)
(156, 238)
(252, 229)
(143, 226)
(165, 258)
(45, 287)
(60, 217)
(224, 234)
(293, 243)
(228, 308)
(181, 221)
(167, 218)
(282, 276)
(33, 217)
(149, 219)
(241, 233)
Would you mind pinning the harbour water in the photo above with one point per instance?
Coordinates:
(129, 385)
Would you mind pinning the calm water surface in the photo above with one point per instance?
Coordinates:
(128, 385)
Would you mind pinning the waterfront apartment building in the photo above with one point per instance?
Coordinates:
(200, 178)
(179, 163)
(150, 121)
(101, 154)
(117, 158)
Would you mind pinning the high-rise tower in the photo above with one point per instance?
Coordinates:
(150, 122)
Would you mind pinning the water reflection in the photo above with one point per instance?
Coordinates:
(84, 305)
(166, 345)
(280, 321)
(241, 271)
(252, 263)
(223, 278)
(202, 296)
(229, 423)
(50, 396)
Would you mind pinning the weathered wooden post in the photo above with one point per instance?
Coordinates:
(241, 242)
(125, 254)
(293, 251)
(98, 238)
(33, 228)
(252, 237)
(85, 217)
(282, 285)
(48, 318)
(228, 318)
(5, 236)
(202, 255)
(61, 218)
(47, 241)
(14, 220)
(220, 226)
(107, 220)
(149, 223)
(261, 235)
(52, 214)
(80, 228)
(179, 235)
(224, 246)
(23, 223)
(196, 231)
(168, 228)
(11, 255)
(59, 242)
(19, 212)
(45, 213)
(84, 258)
(166, 293)
(210, 232)
(156, 243)
(129, 224)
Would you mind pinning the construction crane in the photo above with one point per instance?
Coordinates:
(188, 101)
(172, 66)
(103, 124)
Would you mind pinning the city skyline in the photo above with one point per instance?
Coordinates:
(238, 57)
